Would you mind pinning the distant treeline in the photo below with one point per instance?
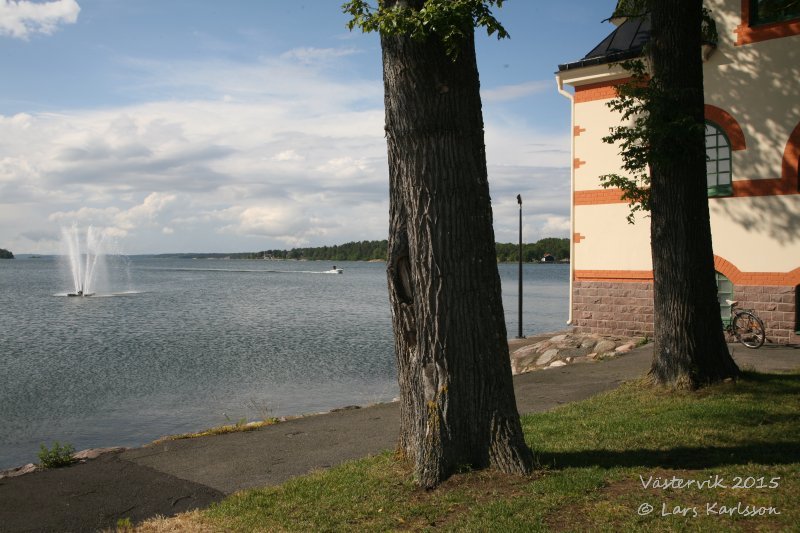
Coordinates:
(557, 248)
(350, 251)
(376, 250)
(5, 254)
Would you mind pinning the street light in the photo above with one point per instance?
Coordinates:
(519, 201)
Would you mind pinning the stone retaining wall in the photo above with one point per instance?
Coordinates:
(613, 308)
(626, 308)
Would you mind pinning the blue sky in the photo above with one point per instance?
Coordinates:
(200, 125)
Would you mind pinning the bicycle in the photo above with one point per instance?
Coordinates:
(745, 326)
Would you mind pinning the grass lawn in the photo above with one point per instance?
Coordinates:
(726, 458)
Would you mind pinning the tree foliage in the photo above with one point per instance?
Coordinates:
(5, 254)
(350, 251)
(646, 119)
(451, 20)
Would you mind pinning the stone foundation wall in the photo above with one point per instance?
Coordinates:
(626, 308)
(613, 308)
(776, 306)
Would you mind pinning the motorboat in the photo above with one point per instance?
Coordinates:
(334, 270)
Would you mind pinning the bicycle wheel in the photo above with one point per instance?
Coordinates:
(748, 329)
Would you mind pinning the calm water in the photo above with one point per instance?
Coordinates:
(170, 346)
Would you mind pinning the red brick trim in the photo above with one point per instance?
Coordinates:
(729, 125)
(598, 197)
(746, 34)
(790, 165)
(762, 279)
(577, 162)
(737, 277)
(603, 90)
(577, 130)
(637, 276)
(577, 238)
(786, 184)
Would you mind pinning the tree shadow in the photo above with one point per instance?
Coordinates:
(681, 457)
(744, 80)
(774, 451)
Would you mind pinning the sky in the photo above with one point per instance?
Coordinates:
(245, 125)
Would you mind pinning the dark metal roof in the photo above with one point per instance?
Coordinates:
(625, 42)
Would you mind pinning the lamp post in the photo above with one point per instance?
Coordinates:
(519, 201)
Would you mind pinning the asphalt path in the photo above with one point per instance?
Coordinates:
(176, 476)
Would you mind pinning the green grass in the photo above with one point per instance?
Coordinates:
(591, 456)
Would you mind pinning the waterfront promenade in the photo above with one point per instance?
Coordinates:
(175, 476)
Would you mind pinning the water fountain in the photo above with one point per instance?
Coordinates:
(86, 258)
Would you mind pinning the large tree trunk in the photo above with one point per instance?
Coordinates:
(689, 344)
(457, 398)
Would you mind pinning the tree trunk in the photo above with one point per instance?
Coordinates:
(456, 394)
(689, 345)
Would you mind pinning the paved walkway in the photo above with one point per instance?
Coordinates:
(176, 476)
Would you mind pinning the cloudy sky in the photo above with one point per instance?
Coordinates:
(200, 125)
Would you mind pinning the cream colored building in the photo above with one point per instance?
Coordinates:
(752, 94)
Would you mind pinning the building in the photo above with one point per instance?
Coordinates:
(752, 94)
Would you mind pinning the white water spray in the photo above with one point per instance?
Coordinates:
(86, 257)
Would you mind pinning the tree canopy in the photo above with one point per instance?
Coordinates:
(451, 20)
(5, 254)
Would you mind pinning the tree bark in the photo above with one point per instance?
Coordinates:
(456, 393)
(689, 345)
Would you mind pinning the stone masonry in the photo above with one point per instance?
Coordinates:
(626, 308)
(613, 308)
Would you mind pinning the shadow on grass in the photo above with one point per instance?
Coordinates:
(688, 458)
(776, 383)
(761, 425)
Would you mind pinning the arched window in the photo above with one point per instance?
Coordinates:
(724, 293)
(767, 11)
(718, 161)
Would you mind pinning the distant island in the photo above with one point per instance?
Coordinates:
(549, 249)
(5, 254)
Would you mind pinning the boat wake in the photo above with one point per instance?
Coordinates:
(252, 270)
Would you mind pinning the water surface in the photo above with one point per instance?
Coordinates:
(177, 345)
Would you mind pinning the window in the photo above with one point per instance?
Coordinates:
(767, 11)
(724, 292)
(718, 161)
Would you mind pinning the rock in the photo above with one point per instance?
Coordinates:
(573, 352)
(588, 343)
(557, 364)
(19, 471)
(605, 345)
(592, 356)
(625, 348)
(558, 338)
(547, 356)
(524, 351)
(94, 453)
(522, 360)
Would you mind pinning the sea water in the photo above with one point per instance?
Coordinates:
(178, 345)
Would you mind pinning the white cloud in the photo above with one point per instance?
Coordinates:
(116, 221)
(287, 155)
(21, 18)
(309, 55)
(293, 157)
